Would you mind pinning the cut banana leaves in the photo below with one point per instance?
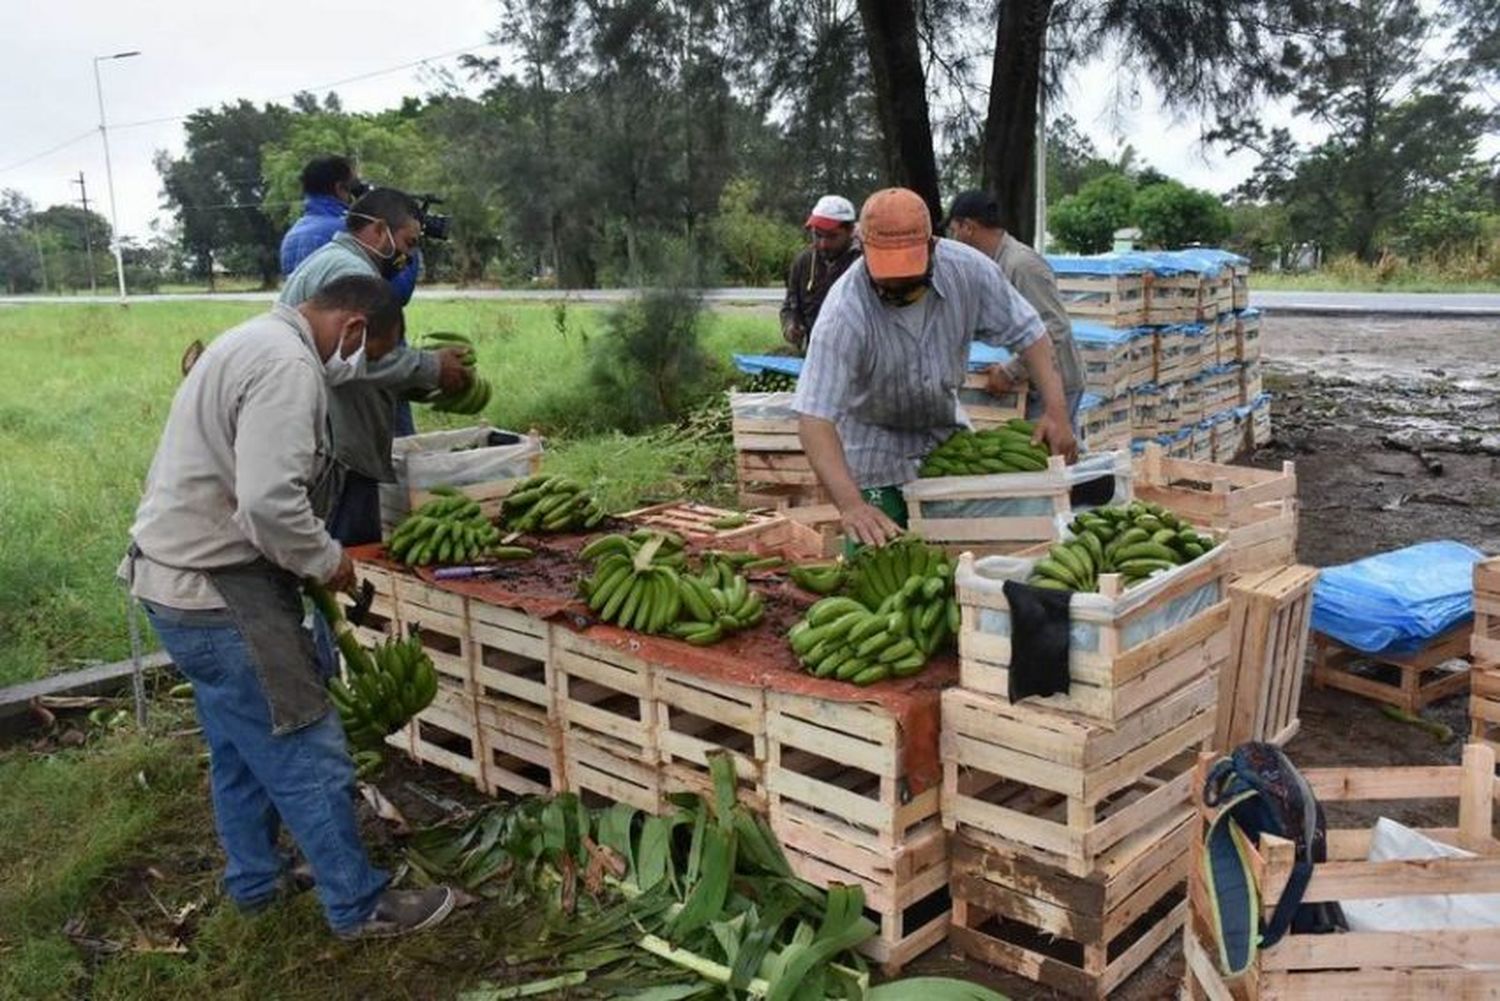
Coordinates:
(932, 989)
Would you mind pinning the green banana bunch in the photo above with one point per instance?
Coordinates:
(819, 578)
(899, 610)
(468, 401)
(1135, 540)
(718, 600)
(383, 691)
(635, 583)
(546, 503)
(1004, 449)
(771, 382)
(449, 529)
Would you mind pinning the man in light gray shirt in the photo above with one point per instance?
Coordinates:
(974, 219)
(889, 352)
(227, 531)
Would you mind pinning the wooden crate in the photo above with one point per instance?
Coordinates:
(441, 620)
(444, 734)
(1261, 686)
(1484, 707)
(1113, 300)
(608, 717)
(1199, 349)
(1145, 405)
(1221, 389)
(789, 467)
(1080, 935)
(1260, 421)
(763, 532)
(940, 509)
(1203, 442)
(1252, 383)
(698, 716)
(824, 519)
(1256, 507)
(1484, 645)
(763, 422)
(1420, 683)
(781, 497)
(1168, 363)
(841, 808)
(1037, 782)
(1174, 298)
(1219, 294)
(1114, 672)
(457, 458)
(381, 620)
(1241, 286)
(1107, 364)
(1190, 412)
(520, 738)
(989, 410)
(1435, 964)
(1169, 409)
(1142, 357)
(1247, 336)
(1231, 437)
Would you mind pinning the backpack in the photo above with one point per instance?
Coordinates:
(1259, 791)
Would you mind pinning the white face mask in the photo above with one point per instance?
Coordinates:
(338, 370)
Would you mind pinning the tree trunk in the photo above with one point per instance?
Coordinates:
(1010, 130)
(901, 98)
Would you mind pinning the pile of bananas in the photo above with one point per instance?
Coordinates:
(899, 610)
(642, 582)
(386, 688)
(550, 504)
(771, 382)
(471, 400)
(819, 578)
(450, 528)
(1004, 449)
(1135, 540)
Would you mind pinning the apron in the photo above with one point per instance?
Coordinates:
(265, 603)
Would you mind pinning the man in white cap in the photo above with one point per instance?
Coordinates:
(814, 271)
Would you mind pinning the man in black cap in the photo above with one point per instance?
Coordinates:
(974, 218)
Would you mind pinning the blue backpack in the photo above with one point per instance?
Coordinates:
(1257, 790)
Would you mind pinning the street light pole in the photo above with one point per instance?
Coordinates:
(109, 174)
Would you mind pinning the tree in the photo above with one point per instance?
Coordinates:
(757, 248)
(1172, 215)
(901, 98)
(217, 189)
(1086, 222)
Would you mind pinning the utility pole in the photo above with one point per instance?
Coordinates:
(88, 239)
(1041, 170)
(109, 177)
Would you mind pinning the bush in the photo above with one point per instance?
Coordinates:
(1170, 214)
(1086, 222)
(649, 367)
(756, 248)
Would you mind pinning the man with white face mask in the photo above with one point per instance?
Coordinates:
(229, 527)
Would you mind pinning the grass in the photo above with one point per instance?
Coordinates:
(86, 389)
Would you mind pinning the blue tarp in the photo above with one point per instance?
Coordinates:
(1096, 333)
(1089, 401)
(1397, 601)
(981, 356)
(1202, 260)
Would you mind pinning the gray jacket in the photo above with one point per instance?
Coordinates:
(245, 448)
(361, 411)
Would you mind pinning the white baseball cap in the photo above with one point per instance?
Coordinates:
(831, 211)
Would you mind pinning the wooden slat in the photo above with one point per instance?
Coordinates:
(1447, 947)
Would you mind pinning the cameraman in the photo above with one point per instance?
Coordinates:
(329, 184)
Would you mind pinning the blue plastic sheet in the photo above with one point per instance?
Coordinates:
(1397, 601)
(1096, 333)
(756, 364)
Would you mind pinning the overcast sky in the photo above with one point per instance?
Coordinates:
(195, 54)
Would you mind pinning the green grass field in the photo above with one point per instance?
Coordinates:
(85, 391)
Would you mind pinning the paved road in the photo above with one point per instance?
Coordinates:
(1289, 303)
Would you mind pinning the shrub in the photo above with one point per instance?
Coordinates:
(648, 367)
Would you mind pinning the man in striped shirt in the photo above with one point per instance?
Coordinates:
(889, 352)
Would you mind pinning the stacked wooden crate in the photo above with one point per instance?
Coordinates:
(1484, 648)
(768, 453)
(1108, 296)
(446, 733)
(1070, 813)
(1261, 687)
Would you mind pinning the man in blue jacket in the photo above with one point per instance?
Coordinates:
(330, 185)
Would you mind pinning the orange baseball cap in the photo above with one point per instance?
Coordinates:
(896, 228)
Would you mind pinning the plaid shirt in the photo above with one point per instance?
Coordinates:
(892, 394)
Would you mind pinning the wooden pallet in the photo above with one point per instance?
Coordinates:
(769, 532)
(608, 719)
(1081, 935)
(1429, 965)
(520, 741)
(989, 410)
(1261, 686)
(1114, 300)
(1045, 495)
(698, 716)
(1421, 684)
(1484, 707)
(1114, 674)
(841, 807)
(1036, 782)
(441, 620)
(1256, 507)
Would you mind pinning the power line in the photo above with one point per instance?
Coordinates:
(142, 123)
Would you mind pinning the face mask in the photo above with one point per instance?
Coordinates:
(391, 261)
(902, 295)
(338, 370)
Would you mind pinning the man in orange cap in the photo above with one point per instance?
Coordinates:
(890, 349)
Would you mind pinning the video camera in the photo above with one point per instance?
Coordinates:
(434, 225)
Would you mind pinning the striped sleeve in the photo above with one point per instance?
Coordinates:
(823, 389)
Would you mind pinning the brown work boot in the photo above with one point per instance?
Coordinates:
(401, 912)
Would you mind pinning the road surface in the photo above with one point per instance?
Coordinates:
(1428, 304)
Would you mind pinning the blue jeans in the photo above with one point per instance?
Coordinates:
(304, 779)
